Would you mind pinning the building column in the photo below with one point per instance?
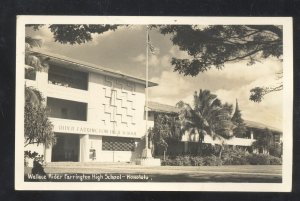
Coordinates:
(251, 135)
(186, 146)
(48, 154)
(84, 148)
(42, 82)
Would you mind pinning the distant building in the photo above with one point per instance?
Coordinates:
(189, 140)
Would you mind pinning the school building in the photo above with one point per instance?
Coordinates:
(98, 114)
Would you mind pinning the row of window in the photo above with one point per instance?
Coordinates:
(62, 77)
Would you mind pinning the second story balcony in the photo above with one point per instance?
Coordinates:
(67, 77)
(66, 109)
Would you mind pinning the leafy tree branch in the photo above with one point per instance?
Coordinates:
(207, 46)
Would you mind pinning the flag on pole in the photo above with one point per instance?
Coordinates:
(152, 49)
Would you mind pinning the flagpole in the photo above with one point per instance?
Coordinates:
(147, 55)
(147, 152)
(147, 158)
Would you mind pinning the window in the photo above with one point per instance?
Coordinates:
(66, 109)
(67, 77)
(277, 138)
(64, 113)
(117, 144)
(30, 74)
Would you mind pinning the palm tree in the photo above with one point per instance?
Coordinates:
(38, 128)
(208, 117)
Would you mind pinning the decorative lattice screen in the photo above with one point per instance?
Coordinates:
(117, 144)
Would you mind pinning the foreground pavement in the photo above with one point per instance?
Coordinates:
(134, 173)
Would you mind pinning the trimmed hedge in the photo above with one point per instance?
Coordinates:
(263, 159)
(193, 161)
(234, 159)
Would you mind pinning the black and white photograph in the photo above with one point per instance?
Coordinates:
(154, 103)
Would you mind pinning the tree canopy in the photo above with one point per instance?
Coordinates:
(208, 116)
(75, 33)
(37, 127)
(207, 46)
(166, 129)
(238, 121)
(215, 45)
(265, 140)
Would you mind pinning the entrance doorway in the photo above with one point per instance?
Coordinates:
(66, 148)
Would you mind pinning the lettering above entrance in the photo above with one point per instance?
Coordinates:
(93, 130)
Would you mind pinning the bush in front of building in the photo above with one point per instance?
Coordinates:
(234, 157)
(275, 160)
(177, 161)
(276, 150)
(197, 161)
(263, 159)
(237, 158)
(192, 161)
(212, 161)
(258, 159)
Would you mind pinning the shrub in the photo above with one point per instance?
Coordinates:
(275, 160)
(186, 160)
(177, 161)
(208, 149)
(212, 161)
(234, 157)
(167, 162)
(263, 159)
(239, 160)
(170, 162)
(276, 150)
(32, 155)
(197, 161)
(258, 159)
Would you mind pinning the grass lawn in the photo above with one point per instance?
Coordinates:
(237, 173)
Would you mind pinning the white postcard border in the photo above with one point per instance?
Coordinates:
(286, 184)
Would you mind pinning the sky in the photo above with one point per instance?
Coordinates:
(124, 50)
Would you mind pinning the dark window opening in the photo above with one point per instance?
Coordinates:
(66, 109)
(277, 138)
(66, 148)
(64, 113)
(30, 74)
(67, 77)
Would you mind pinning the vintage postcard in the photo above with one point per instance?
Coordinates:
(154, 103)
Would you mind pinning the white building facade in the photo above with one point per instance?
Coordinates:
(98, 114)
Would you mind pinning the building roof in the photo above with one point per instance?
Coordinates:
(89, 67)
(253, 124)
(158, 107)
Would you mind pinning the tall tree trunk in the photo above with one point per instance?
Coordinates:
(221, 151)
(199, 149)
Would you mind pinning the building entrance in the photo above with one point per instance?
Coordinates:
(66, 148)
